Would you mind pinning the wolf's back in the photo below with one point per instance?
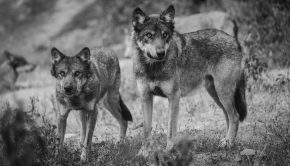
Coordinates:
(212, 43)
(104, 56)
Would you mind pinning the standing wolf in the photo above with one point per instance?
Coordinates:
(82, 81)
(172, 65)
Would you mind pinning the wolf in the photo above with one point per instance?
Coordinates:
(173, 65)
(184, 24)
(82, 81)
(11, 65)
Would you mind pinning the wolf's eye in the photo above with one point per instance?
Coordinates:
(77, 73)
(149, 35)
(62, 73)
(165, 35)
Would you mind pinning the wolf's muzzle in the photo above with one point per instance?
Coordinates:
(68, 89)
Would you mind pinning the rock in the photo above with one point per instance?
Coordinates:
(248, 152)
(238, 158)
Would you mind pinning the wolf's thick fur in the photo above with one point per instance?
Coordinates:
(10, 65)
(82, 81)
(172, 65)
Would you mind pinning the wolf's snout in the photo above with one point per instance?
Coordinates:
(161, 54)
(68, 89)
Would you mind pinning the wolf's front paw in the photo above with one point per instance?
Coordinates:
(169, 145)
(58, 155)
(225, 143)
(84, 155)
(149, 146)
(144, 151)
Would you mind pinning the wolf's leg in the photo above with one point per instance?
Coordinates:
(112, 104)
(83, 117)
(147, 108)
(233, 123)
(210, 87)
(91, 122)
(173, 118)
(225, 90)
(62, 117)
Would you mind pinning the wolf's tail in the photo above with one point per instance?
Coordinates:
(126, 114)
(240, 98)
(236, 35)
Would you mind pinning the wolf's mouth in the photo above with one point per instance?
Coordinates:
(70, 94)
(158, 58)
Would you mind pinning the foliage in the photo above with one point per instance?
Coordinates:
(22, 141)
(15, 13)
(268, 23)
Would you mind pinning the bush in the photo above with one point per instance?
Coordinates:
(268, 25)
(15, 13)
(22, 141)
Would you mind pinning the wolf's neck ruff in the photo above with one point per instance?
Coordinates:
(153, 71)
(77, 101)
(160, 70)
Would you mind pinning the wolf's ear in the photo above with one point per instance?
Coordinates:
(8, 55)
(56, 55)
(84, 55)
(138, 17)
(168, 14)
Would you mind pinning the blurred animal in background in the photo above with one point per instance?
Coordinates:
(184, 24)
(11, 65)
(82, 81)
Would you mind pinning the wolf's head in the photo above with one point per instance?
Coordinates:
(72, 73)
(153, 33)
(18, 63)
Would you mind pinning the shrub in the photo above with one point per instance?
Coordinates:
(22, 141)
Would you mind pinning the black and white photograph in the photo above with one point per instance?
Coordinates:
(144, 83)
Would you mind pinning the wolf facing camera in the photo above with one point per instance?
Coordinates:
(82, 81)
(172, 65)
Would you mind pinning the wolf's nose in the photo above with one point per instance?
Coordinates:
(68, 89)
(161, 54)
